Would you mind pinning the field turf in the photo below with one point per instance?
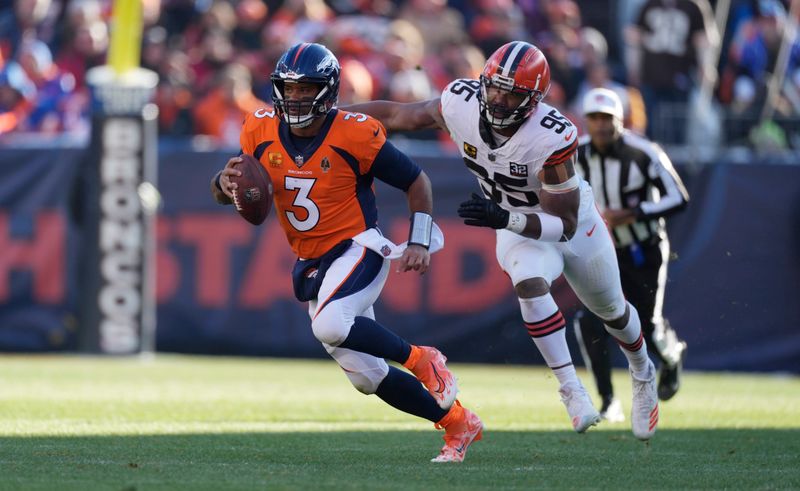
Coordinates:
(195, 423)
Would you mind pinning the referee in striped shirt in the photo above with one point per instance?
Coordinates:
(635, 187)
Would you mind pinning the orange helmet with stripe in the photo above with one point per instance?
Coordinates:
(516, 67)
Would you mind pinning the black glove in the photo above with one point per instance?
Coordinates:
(482, 212)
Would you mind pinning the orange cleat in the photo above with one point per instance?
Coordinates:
(461, 428)
(427, 364)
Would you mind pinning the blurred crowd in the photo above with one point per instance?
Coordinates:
(214, 57)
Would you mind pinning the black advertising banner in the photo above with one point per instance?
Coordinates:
(223, 286)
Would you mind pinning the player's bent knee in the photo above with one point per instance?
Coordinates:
(330, 328)
(363, 383)
(365, 372)
(367, 380)
(532, 287)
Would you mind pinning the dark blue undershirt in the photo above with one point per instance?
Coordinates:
(301, 142)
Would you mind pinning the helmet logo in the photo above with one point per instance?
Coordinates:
(291, 74)
(328, 61)
(505, 83)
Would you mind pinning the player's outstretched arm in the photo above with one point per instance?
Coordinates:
(401, 116)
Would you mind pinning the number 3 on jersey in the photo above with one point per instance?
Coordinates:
(303, 187)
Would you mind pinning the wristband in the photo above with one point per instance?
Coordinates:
(552, 227)
(516, 222)
(217, 180)
(420, 231)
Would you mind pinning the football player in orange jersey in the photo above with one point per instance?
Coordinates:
(322, 162)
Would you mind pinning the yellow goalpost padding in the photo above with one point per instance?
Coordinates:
(126, 36)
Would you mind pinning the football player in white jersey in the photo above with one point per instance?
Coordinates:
(523, 151)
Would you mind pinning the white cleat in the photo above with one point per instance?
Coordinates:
(613, 413)
(579, 406)
(644, 413)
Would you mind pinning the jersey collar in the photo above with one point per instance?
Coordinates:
(306, 153)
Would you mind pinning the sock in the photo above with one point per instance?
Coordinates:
(593, 339)
(454, 415)
(367, 336)
(632, 344)
(545, 324)
(403, 391)
(413, 357)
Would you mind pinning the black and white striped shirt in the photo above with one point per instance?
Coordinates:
(635, 173)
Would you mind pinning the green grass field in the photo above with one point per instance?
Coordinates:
(74, 423)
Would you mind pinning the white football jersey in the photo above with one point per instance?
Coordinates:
(507, 174)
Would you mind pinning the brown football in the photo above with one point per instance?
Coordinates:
(253, 197)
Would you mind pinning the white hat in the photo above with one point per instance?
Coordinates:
(602, 101)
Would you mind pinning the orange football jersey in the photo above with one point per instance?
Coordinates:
(322, 194)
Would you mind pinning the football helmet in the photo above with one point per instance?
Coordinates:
(516, 67)
(306, 63)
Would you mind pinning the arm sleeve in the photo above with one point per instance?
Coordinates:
(673, 193)
(394, 168)
(247, 137)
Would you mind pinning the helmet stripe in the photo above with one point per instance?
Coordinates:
(299, 50)
(512, 57)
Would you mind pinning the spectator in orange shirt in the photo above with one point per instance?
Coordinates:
(220, 113)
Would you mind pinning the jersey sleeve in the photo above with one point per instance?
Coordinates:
(362, 134)
(569, 144)
(453, 97)
(446, 102)
(250, 127)
(395, 168)
(674, 196)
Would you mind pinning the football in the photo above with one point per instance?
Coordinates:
(253, 197)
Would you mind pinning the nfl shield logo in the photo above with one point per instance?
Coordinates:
(326, 164)
(386, 250)
(252, 194)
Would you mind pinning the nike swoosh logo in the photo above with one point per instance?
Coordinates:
(461, 448)
(439, 379)
(591, 231)
(566, 138)
(375, 133)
